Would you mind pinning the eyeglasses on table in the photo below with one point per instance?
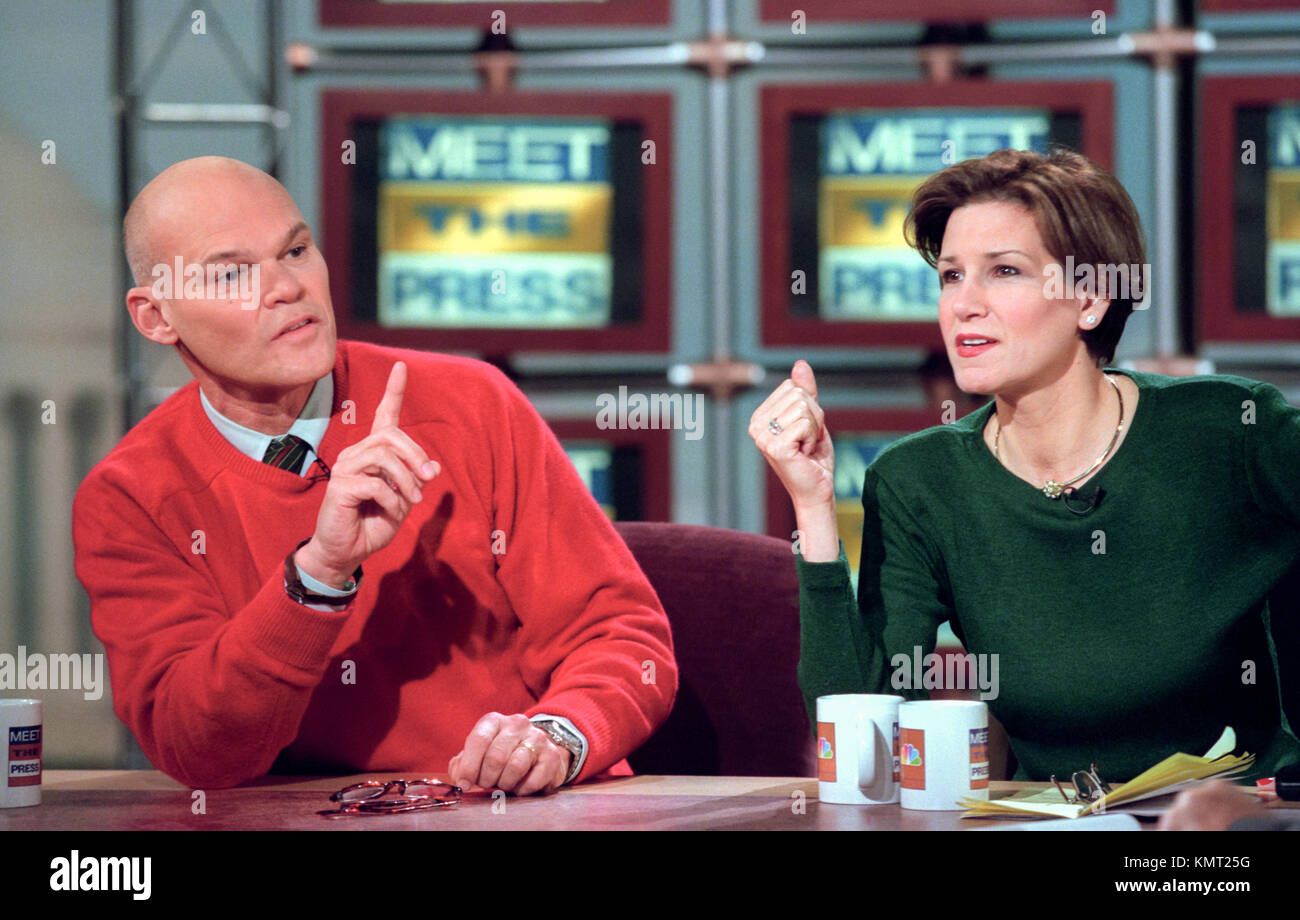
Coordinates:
(1088, 786)
(392, 797)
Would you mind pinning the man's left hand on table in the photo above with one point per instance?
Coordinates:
(510, 753)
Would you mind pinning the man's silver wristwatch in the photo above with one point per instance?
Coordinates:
(566, 739)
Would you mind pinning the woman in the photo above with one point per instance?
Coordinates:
(1125, 543)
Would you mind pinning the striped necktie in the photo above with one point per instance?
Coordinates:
(287, 453)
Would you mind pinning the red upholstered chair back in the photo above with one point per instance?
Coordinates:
(733, 601)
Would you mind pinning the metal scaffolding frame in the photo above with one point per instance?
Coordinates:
(1164, 47)
(136, 112)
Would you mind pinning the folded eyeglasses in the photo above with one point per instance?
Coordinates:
(392, 797)
(1088, 786)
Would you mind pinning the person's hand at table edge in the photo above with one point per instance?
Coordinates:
(512, 754)
(1210, 806)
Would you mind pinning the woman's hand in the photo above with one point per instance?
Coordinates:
(800, 454)
(790, 431)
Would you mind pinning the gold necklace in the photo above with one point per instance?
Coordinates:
(1052, 488)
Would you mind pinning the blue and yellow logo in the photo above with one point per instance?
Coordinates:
(494, 222)
(871, 162)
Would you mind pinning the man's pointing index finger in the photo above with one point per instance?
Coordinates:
(390, 407)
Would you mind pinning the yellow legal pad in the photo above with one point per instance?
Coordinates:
(1170, 775)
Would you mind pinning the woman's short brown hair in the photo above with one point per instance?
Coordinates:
(1081, 210)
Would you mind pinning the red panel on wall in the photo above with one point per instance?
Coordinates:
(1219, 316)
(371, 13)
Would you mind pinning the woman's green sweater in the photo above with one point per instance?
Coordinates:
(1123, 634)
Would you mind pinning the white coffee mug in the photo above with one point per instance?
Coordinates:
(943, 753)
(857, 748)
(20, 720)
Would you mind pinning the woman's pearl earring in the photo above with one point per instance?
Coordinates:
(1090, 320)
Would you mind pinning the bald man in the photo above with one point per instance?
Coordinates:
(330, 556)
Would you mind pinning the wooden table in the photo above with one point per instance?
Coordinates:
(243, 869)
(149, 800)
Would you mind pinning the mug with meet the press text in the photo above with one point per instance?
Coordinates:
(943, 753)
(857, 748)
(20, 721)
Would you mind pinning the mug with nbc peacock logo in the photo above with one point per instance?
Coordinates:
(857, 748)
(943, 753)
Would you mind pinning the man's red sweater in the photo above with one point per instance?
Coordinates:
(505, 589)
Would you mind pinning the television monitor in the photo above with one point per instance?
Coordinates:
(839, 166)
(1247, 6)
(594, 461)
(945, 11)
(499, 222)
(1249, 233)
(627, 471)
(858, 434)
(544, 13)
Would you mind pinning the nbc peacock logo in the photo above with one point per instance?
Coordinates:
(826, 752)
(911, 757)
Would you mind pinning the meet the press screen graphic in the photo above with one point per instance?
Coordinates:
(853, 454)
(495, 222)
(592, 460)
(871, 162)
(1283, 209)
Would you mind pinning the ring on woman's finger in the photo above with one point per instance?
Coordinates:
(774, 426)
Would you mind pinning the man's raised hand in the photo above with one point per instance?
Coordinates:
(373, 486)
(390, 406)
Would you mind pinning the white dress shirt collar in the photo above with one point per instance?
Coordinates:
(310, 425)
